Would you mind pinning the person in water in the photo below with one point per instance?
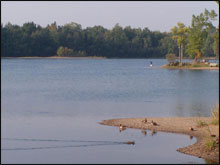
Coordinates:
(151, 64)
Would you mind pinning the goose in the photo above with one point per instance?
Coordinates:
(130, 142)
(121, 127)
(153, 123)
(191, 129)
(145, 120)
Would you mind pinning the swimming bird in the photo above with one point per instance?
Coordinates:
(130, 142)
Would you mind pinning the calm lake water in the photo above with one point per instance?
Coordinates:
(51, 109)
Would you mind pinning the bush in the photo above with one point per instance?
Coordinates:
(201, 124)
(187, 64)
(210, 144)
(215, 115)
(171, 58)
(81, 53)
(64, 51)
(176, 63)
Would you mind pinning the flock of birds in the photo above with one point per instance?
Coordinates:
(122, 128)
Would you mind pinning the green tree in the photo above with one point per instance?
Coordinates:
(216, 43)
(60, 51)
(65, 52)
(171, 58)
(179, 33)
(200, 27)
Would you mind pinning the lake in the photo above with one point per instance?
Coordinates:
(51, 109)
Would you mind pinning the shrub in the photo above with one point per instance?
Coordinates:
(170, 58)
(215, 115)
(81, 53)
(210, 144)
(64, 51)
(187, 64)
(201, 124)
(176, 63)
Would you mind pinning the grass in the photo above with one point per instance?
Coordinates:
(200, 65)
(188, 65)
(210, 144)
(201, 124)
(215, 115)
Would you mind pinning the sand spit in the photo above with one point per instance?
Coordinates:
(188, 125)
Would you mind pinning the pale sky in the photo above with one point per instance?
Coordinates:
(155, 15)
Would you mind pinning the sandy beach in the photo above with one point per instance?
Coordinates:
(182, 126)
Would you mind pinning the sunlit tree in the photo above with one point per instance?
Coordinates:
(179, 33)
(200, 27)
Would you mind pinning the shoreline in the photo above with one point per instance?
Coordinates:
(188, 68)
(55, 57)
(179, 125)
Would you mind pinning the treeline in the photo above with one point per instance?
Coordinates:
(71, 40)
(34, 40)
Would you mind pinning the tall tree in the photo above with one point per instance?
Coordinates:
(216, 43)
(200, 27)
(180, 34)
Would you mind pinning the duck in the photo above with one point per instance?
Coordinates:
(145, 120)
(130, 142)
(191, 129)
(153, 123)
(121, 127)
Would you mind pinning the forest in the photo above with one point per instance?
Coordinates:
(31, 40)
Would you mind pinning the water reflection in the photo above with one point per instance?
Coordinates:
(153, 132)
(144, 132)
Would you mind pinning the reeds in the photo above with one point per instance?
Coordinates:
(215, 115)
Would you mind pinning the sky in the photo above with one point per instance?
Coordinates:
(155, 15)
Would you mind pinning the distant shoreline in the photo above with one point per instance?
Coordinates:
(96, 57)
(58, 57)
(55, 57)
(178, 125)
